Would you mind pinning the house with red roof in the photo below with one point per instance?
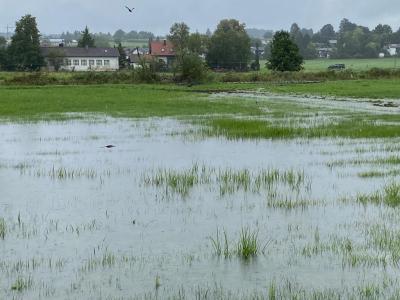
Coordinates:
(162, 52)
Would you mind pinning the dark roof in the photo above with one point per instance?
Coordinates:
(162, 48)
(82, 52)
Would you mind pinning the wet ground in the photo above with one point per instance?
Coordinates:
(83, 221)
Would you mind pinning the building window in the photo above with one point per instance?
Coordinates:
(91, 62)
(68, 62)
(99, 62)
(84, 62)
(106, 62)
(76, 62)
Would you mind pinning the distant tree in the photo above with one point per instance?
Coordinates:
(382, 34)
(267, 51)
(198, 43)
(309, 32)
(68, 36)
(229, 46)
(208, 32)
(56, 59)
(132, 35)
(119, 36)
(395, 37)
(102, 40)
(179, 35)
(326, 34)
(346, 25)
(24, 51)
(123, 62)
(4, 61)
(145, 35)
(302, 38)
(86, 39)
(285, 54)
(189, 66)
(356, 41)
(268, 35)
(3, 42)
(255, 66)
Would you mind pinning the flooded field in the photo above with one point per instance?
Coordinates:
(171, 212)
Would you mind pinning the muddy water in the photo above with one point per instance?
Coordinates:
(100, 232)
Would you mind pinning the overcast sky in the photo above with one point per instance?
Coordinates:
(56, 16)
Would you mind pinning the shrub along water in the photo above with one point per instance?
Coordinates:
(147, 75)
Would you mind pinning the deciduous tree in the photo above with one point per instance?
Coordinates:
(229, 46)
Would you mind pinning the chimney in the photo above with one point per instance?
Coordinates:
(87, 47)
(165, 42)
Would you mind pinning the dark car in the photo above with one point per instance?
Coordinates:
(337, 67)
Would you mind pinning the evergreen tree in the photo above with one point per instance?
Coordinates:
(123, 62)
(3, 42)
(86, 39)
(24, 51)
(285, 55)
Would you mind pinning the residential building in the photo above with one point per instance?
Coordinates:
(162, 52)
(85, 59)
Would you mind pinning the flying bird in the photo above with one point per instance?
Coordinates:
(130, 9)
(109, 146)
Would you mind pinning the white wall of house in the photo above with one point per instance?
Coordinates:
(393, 51)
(91, 64)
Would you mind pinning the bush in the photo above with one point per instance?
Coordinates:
(191, 69)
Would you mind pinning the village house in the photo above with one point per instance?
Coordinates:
(162, 52)
(84, 59)
(393, 49)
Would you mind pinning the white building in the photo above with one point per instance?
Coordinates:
(84, 59)
(393, 49)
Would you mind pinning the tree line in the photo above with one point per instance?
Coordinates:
(350, 41)
(229, 47)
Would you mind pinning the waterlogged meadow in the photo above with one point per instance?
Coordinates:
(269, 197)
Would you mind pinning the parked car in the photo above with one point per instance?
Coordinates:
(337, 67)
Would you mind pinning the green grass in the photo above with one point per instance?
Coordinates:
(22, 284)
(390, 195)
(316, 65)
(226, 181)
(229, 116)
(3, 228)
(372, 89)
(261, 129)
(118, 100)
(247, 246)
(363, 88)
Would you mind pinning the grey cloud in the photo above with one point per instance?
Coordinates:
(157, 16)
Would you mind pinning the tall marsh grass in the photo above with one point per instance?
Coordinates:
(3, 228)
(228, 181)
(390, 195)
(247, 246)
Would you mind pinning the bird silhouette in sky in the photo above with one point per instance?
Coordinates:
(130, 9)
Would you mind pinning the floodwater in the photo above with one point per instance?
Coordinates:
(82, 223)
